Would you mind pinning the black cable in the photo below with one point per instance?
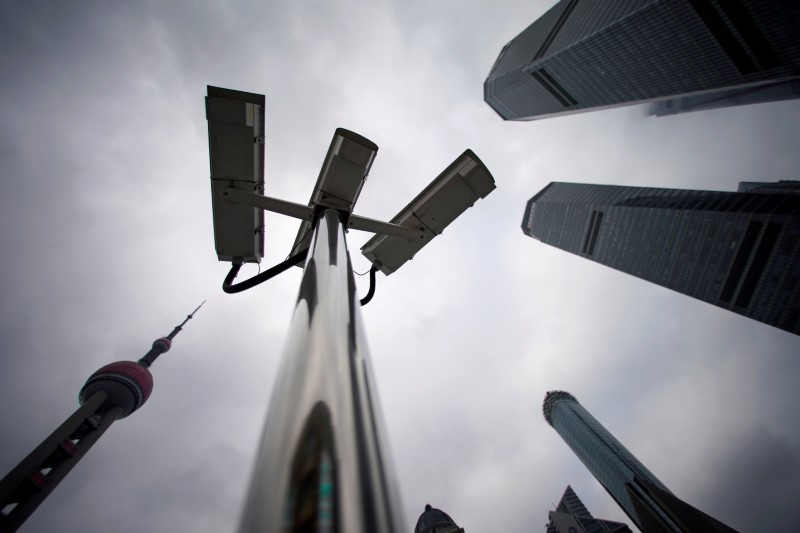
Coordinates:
(365, 300)
(299, 242)
(230, 288)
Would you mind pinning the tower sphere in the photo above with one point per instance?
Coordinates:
(127, 384)
(163, 344)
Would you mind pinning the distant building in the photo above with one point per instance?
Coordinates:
(697, 54)
(736, 250)
(571, 516)
(433, 520)
(648, 503)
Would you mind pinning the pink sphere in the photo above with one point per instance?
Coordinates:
(127, 385)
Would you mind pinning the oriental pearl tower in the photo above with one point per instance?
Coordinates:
(110, 394)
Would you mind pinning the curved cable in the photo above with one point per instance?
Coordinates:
(300, 242)
(230, 288)
(365, 300)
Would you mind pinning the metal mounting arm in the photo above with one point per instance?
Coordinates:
(384, 228)
(291, 209)
(304, 212)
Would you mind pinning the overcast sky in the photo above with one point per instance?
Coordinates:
(106, 233)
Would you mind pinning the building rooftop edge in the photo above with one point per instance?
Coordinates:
(551, 399)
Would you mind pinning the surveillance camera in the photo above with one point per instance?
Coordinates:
(341, 178)
(236, 154)
(454, 191)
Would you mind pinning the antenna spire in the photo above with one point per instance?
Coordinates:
(187, 319)
(163, 344)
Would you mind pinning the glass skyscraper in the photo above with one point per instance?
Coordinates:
(590, 54)
(572, 516)
(736, 250)
(648, 503)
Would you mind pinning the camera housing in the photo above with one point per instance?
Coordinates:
(455, 190)
(236, 156)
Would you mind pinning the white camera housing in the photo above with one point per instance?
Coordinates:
(454, 191)
(341, 178)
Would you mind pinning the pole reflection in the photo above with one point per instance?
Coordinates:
(322, 464)
(311, 504)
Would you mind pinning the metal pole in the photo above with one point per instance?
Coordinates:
(322, 463)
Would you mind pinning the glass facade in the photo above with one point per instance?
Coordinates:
(648, 503)
(572, 516)
(736, 250)
(769, 92)
(588, 54)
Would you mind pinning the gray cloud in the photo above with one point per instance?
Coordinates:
(106, 233)
(756, 482)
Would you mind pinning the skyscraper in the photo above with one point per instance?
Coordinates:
(736, 250)
(110, 394)
(571, 516)
(648, 503)
(592, 54)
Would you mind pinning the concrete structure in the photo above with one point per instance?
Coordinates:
(583, 55)
(736, 250)
(113, 392)
(572, 516)
(645, 499)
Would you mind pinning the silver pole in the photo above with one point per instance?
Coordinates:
(322, 463)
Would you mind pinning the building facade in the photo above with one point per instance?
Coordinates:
(591, 54)
(736, 250)
(433, 520)
(572, 516)
(648, 503)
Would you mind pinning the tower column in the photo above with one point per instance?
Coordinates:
(35, 477)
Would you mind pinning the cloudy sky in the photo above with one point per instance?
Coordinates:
(106, 233)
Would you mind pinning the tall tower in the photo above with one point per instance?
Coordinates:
(590, 54)
(113, 392)
(572, 516)
(736, 250)
(648, 503)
